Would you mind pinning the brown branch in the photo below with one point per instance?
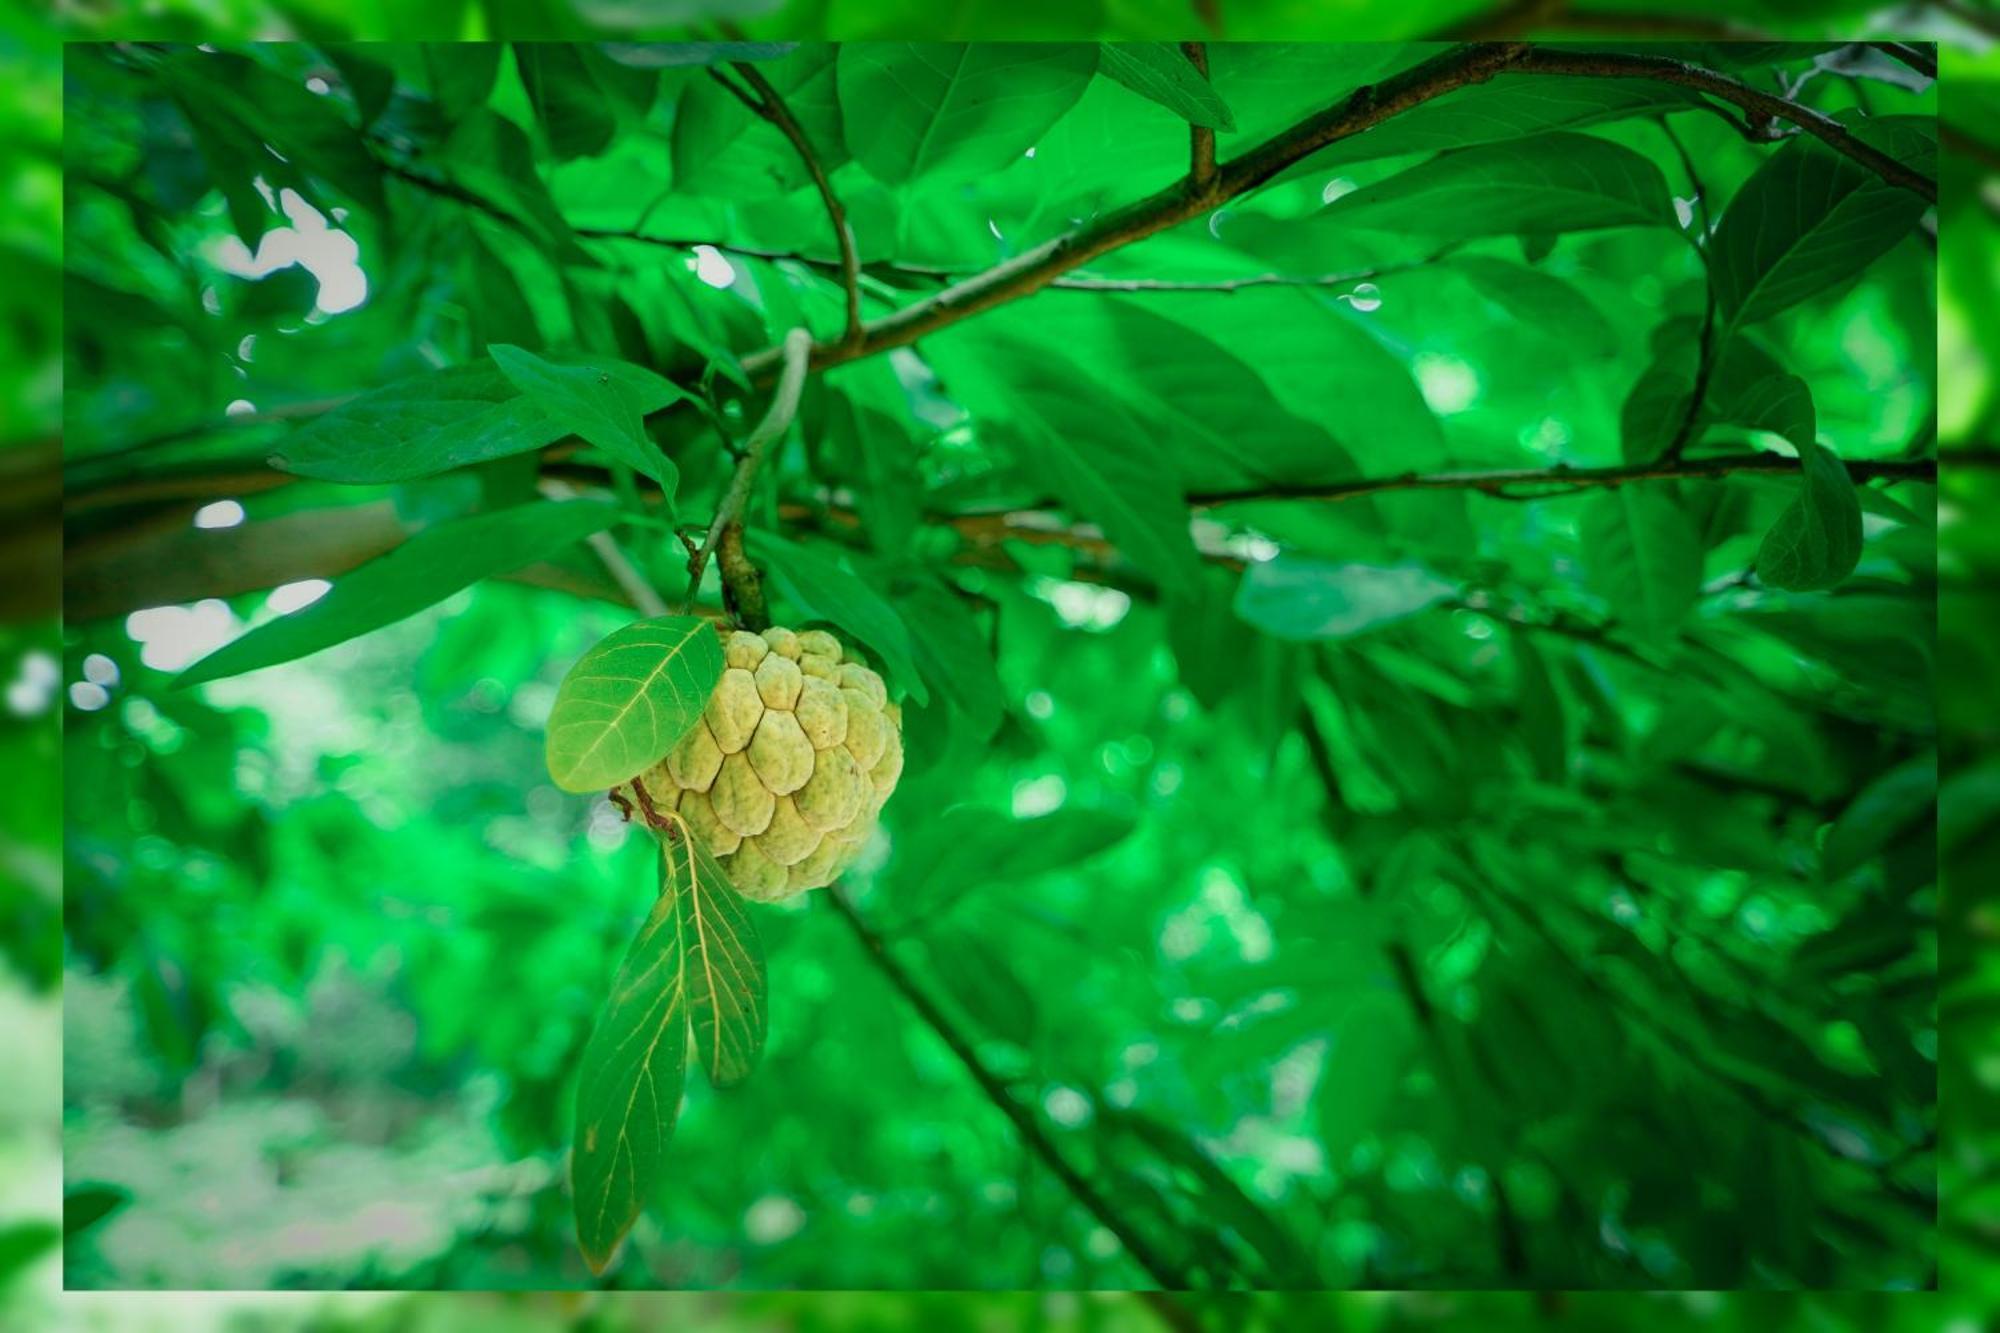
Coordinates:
(1705, 360)
(1911, 54)
(1365, 108)
(773, 109)
(1754, 103)
(1079, 283)
(611, 555)
(1502, 481)
(1033, 270)
(1201, 138)
(777, 420)
(1972, 15)
(1025, 1124)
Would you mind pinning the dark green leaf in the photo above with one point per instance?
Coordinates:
(84, 1206)
(1160, 72)
(1816, 542)
(1885, 809)
(428, 424)
(1550, 183)
(722, 149)
(822, 589)
(574, 111)
(1642, 555)
(424, 570)
(1806, 222)
(1362, 1071)
(954, 111)
(608, 410)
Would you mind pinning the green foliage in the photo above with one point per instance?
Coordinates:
(421, 572)
(1398, 793)
(1159, 71)
(1816, 542)
(597, 406)
(1539, 185)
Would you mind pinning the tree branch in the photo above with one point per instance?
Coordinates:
(1365, 108)
(1754, 103)
(777, 420)
(1029, 272)
(1030, 1130)
(773, 109)
(1705, 357)
(1502, 482)
(1201, 138)
(1078, 283)
(1911, 54)
(611, 555)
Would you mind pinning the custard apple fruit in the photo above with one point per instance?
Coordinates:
(785, 774)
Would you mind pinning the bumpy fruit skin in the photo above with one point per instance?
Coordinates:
(785, 775)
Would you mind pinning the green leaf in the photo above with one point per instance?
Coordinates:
(1816, 541)
(1747, 388)
(1160, 72)
(22, 1244)
(1506, 108)
(1808, 220)
(696, 966)
(424, 570)
(953, 654)
(1541, 300)
(823, 590)
(977, 976)
(1642, 555)
(1096, 460)
(954, 110)
(596, 405)
(573, 110)
(629, 1084)
(1362, 1072)
(427, 424)
(1302, 597)
(460, 75)
(968, 848)
(723, 150)
(726, 986)
(489, 156)
(85, 1205)
(630, 699)
(1885, 809)
(1550, 183)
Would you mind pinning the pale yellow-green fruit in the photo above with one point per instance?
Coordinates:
(786, 773)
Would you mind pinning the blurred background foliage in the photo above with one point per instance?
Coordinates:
(402, 924)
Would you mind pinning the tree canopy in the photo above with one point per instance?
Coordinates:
(1410, 572)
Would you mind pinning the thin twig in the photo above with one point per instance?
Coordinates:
(1030, 1130)
(1078, 283)
(1916, 57)
(637, 589)
(1201, 138)
(1576, 478)
(1756, 104)
(777, 420)
(1707, 350)
(773, 109)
